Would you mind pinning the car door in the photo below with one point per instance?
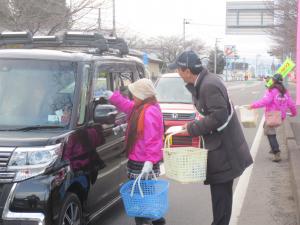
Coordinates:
(109, 76)
(126, 75)
(108, 146)
(88, 150)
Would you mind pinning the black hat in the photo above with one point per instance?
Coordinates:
(277, 77)
(187, 59)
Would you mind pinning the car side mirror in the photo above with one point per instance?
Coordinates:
(105, 114)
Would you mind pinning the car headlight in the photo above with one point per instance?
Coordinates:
(28, 162)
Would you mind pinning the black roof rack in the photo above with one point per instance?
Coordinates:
(93, 43)
(49, 41)
(15, 38)
(119, 44)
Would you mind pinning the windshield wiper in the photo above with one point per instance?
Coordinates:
(37, 127)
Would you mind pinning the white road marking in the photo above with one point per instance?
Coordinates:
(242, 185)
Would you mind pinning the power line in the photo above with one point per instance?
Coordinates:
(209, 25)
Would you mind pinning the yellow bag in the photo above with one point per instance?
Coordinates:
(185, 164)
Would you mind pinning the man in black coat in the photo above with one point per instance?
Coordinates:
(228, 154)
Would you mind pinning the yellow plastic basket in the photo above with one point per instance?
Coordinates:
(185, 164)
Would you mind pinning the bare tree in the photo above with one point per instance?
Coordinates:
(284, 31)
(167, 48)
(43, 16)
(134, 41)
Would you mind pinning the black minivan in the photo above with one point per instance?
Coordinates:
(60, 160)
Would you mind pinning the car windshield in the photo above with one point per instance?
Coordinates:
(172, 90)
(36, 93)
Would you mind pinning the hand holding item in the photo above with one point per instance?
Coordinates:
(184, 127)
(123, 127)
(107, 94)
(176, 129)
(147, 168)
(248, 107)
(120, 128)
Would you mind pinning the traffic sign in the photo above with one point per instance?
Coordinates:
(230, 51)
(145, 59)
(284, 69)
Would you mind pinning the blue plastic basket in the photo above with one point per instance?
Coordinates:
(145, 198)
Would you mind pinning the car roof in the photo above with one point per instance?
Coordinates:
(60, 55)
(175, 75)
(43, 54)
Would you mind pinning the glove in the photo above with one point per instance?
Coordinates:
(147, 168)
(116, 130)
(107, 94)
(123, 127)
(120, 128)
(175, 129)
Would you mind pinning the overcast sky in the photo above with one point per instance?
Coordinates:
(151, 18)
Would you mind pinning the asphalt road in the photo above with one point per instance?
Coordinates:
(265, 199)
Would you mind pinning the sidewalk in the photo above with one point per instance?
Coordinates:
(269, 199)
(292, 136)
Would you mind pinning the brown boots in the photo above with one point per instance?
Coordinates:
(276, 157)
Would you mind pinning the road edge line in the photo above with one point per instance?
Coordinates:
(242, 185)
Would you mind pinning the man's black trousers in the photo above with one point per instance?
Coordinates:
(221, 197)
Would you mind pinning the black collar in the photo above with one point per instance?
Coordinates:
(202, 74)
(193, 88)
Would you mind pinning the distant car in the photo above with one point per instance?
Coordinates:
(177, 107)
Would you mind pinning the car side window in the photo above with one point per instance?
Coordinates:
(83, 97)
(123, 79)
(112, 76)
(101, 82)
(141, 71)
(121, 82)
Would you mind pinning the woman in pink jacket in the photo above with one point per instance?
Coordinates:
(144, 133)
(276, 98)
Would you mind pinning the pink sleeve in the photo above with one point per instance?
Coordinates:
(123, 104)
(292, 105)
(153, 135)
(267, 99)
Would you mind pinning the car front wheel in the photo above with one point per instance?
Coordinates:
(71, 211)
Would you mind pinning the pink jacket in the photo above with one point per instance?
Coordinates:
(273, 101)
(149, 148)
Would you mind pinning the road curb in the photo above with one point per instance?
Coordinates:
(294, 159)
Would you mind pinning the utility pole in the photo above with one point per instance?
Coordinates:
(256, 64)
(216, 53)
(99, 19)
(114, 18)
(185, 21)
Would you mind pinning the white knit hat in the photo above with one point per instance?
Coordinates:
(142, 89)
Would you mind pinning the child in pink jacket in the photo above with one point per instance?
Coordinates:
(144, 133)
(276, 98)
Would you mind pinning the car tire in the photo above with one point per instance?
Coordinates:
(71, 211)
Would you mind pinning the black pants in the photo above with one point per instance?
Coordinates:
(141, 221)
(221, 196)
(273, 143)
